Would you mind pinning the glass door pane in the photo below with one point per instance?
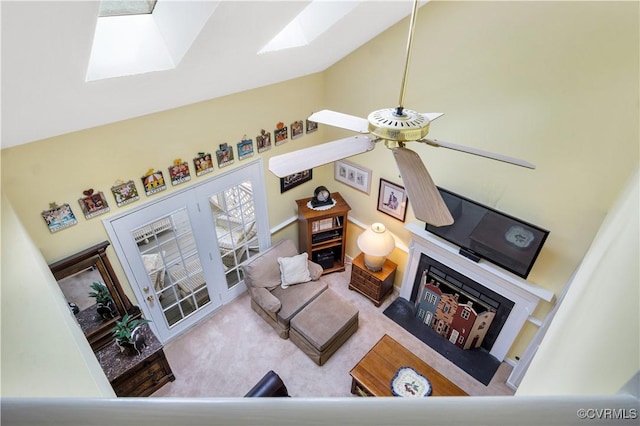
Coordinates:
(168, 250)
(236, 228)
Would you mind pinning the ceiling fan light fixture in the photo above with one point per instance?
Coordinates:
(387, 124)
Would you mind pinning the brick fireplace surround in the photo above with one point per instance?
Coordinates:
(523, 293)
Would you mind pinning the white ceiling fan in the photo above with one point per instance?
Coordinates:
(395, 126)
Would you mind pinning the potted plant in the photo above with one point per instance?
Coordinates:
(104, 302)
(128, 333)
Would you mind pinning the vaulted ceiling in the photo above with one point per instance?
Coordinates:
(46, 48)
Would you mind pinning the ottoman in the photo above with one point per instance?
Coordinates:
(323, 326)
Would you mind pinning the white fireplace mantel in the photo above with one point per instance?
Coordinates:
(523, 293)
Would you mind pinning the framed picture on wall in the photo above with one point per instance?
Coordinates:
(281, 134)
(125, 193)
(224, 155)
(59, 217)
(295, 179)
(297, 129)
(93, 203)
(392, 200)
(312, 126)
(263, 140)
(203, 163)
(353, 175)
(153, 182)
(179, 172)
(245, 148)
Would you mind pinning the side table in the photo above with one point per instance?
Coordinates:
(375, 286)
(136, 375)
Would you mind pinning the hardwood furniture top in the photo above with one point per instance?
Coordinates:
(309, 214)
(373, 285)
(376, 369)
(387, 269)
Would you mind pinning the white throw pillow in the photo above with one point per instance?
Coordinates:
(294, 270)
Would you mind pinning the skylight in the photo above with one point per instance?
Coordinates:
(124, 7)
(142, 42)
(313, 21)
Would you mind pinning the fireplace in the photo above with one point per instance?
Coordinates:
(459, 309)
(488, 290)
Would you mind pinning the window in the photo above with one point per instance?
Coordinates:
(313, 21)
(129, 39)
(123, 7)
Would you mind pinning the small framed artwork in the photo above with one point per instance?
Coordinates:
(59, 217)
(93, 203)
(281, 133)
(297, 129)
(263, 140)
(224, 155)
(293, 180)
(125, 193)
(153, 182)
(203, 163)
(179, 172)
(245, 148)
(392, 200)
(312, 126)
(353, 175)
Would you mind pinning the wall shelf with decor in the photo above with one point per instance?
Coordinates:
(323, 232)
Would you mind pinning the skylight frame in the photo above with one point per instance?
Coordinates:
(313, 21)
(111, 8)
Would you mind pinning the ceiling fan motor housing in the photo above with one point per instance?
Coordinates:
(409, 126)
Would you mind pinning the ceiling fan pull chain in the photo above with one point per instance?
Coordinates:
(414, 13)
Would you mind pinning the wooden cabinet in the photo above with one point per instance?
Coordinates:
(323, 232)
(375, 286)
(139, 374)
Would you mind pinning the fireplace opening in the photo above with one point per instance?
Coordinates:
(459, 309)
(454, 315)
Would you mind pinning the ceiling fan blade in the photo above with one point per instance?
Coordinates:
(432, 115)
(511, 160)
(426, 200)
(344, 121)
(307, 158)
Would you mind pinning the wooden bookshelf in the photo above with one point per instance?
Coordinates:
(322, 233)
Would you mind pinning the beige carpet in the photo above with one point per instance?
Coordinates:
(226, 354)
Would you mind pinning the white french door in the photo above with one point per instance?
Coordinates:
(182, 252)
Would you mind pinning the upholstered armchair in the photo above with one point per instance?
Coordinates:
(276, 302)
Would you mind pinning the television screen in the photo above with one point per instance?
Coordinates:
(481, 231)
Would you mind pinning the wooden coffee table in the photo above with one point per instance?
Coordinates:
(372, 375)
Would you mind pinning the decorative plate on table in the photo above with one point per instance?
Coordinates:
(408, 382)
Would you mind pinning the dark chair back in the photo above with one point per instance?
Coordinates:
(271, 385)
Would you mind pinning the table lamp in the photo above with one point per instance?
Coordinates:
(376, 244)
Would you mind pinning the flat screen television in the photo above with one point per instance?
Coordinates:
(483, 232)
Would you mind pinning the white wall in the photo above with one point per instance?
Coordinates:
(44, 353)
(591, 347)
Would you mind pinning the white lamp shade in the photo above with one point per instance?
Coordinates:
(376, 244)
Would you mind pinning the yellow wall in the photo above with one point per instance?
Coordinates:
(61, 168)
(552, 82)
(44, 353)
(599, 314)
